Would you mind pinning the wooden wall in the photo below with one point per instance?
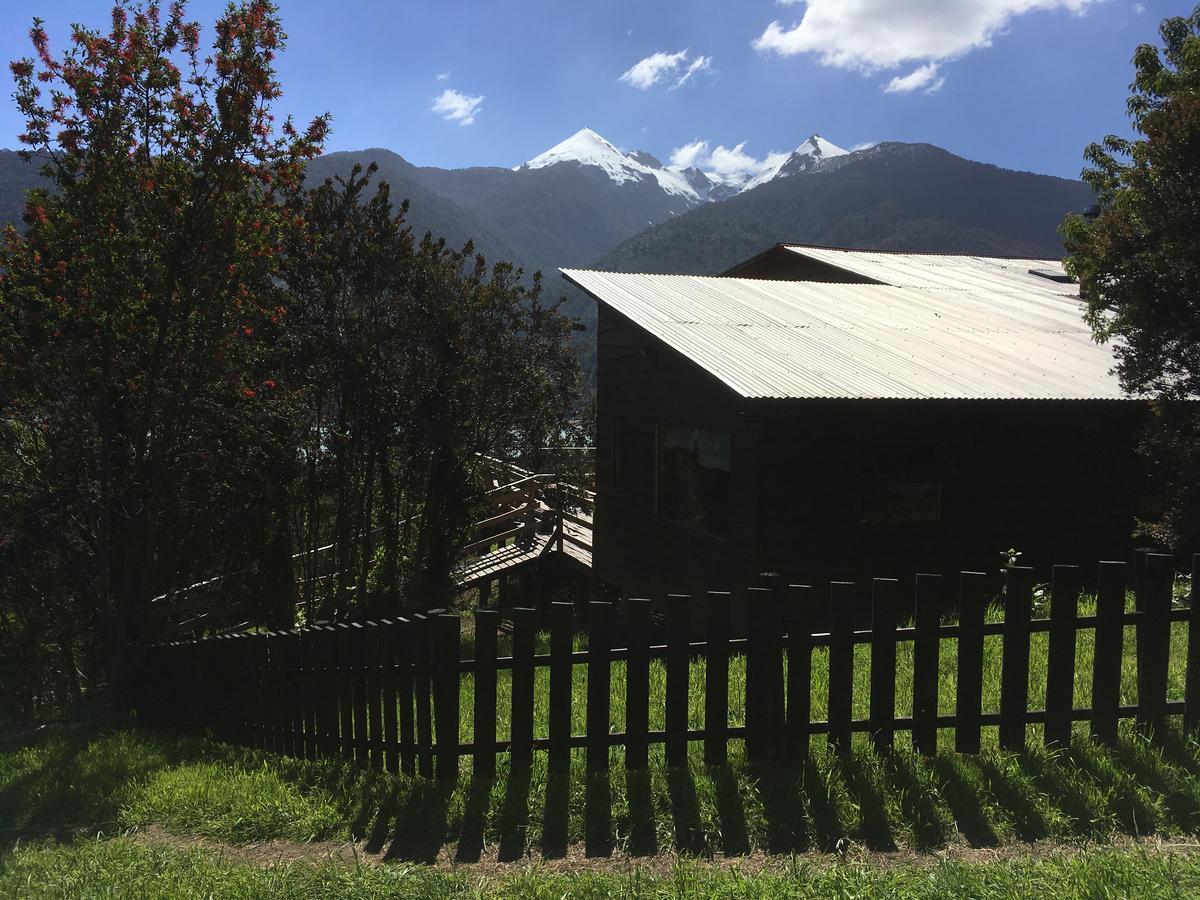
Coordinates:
(1056, 480)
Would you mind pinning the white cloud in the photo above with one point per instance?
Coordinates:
(442, 76)
(921, 78)
(1139, 8)
(733, 162)
(699, 64)
(870, 35)
(675, 67)
(865, 145)
(455, 107)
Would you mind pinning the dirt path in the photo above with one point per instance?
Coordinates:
(349, 852)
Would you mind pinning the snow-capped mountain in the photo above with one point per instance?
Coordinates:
(587, 148)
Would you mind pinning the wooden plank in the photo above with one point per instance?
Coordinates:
(1191, 690)
(374, 694)
(716, 678)
(841, 663)
(755, 603)
(678, 658)
(404, 695)
(1014, 662)
(599, 684)
(637, 683)
(561, 645)
(926, 655)
(884, 602)
(972, 605)
(345, 662)
(483, 728)
(362, 704)
(388, 639)
(1154, 646)
(524, 629)
(422, 694)
(447, 644)
(798, 612)
(1060, 662)
(1108, 651)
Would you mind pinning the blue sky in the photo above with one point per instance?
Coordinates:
(1024, 84)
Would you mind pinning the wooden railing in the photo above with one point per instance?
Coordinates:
(387, 694)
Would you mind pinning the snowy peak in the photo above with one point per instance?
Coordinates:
(812, 151)
(587, 148)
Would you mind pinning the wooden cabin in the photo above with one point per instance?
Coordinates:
(828, 413)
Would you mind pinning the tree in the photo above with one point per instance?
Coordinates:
(1138, 259)
(138, 313)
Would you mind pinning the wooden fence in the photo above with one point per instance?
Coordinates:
(387, 694)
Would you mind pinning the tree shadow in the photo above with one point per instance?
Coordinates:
(730, 810)
(597, 815)
(556, 815)
(875, 829)
(918, 804)
(783, 810)
(643, 836)
(514, 816)
(474, 820)
(420, 829)
(965, 802)
(685, 811)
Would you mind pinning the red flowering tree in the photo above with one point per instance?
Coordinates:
(138, 316)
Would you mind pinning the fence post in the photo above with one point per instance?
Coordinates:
(561, 646)
(1014, 663)
(420, 633)
(599, 684)
(678, 656)
(404, 694)
(716, 679)
(884, 593)
(968, 703)
(1154, 648)
(358, 632)
(758, 687)
(387, 660)
(1191, 690)
(799, 669)
(637, 683)
(1108, 651)
(521, 747)
(1060, 662)
(483, 728)
(374, 697)
(447, 639)
(345, 659)
(926, 655)
(841, 663)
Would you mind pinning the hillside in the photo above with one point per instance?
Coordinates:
(16, 177)
(892, 196)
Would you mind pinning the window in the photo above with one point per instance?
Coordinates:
(692, 477)
(901, 482)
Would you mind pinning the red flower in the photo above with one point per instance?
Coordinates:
(269, 384)
(247, 331)
(249, 392)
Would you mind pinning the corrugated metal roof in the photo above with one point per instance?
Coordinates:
(795, 339)
(992, 274)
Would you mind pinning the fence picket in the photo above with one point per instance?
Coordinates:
(359, 636)
(404, 696)
(678, 627)
(1154, 644)
(799, 609)
(447, 640)
(419, 645)
(637, 683)
(387, 661)
(841, 662)
(374, 694)
(345, 664)
(1191, 690)
(483, 727)
(1014, 660)
(524, 629)
(926, 654)
(1060, 660)
(758, 603)
(561, 670)
(716, 678)
(968, 702)
(884, 600)
(599, 684)
(1107, 652)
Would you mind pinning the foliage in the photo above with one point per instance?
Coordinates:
(1138, 260)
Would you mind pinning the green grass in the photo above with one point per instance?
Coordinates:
(120, 868)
